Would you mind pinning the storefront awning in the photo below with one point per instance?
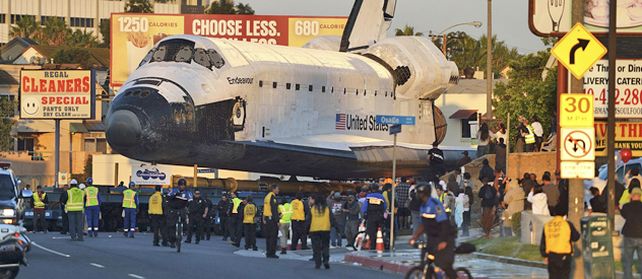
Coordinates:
(463, 114)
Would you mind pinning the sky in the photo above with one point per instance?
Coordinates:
(510, 17)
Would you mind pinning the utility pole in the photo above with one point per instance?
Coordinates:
(489, 62)
(576, 187)
(610, 142)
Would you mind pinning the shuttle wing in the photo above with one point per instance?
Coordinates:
(368, 22)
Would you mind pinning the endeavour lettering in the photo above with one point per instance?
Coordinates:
(238, 80)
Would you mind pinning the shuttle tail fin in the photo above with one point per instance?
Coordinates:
(368, 22)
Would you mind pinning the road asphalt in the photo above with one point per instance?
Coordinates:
(111, 255)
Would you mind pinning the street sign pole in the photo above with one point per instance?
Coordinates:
(394, 186)
(610, 138)
(57, 153)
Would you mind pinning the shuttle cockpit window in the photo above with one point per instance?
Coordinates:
(183, 51)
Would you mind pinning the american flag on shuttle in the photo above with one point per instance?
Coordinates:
(340, 121)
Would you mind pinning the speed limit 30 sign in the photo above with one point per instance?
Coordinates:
(576, 110)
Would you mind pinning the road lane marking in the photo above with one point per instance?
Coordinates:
(97, 265)
(136, 276)
(50, 250)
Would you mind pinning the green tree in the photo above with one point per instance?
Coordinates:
(7, 109)
(407, 31)
(72, 55)
(26, 27)
(467, 52)
(229, 7)
(55, 32)
(105, 32)
(80, 38)
(526, 93)
(139, 6)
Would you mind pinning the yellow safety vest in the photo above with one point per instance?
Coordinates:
(92, 196)
(442, 198)
(155, 204)
(558, 236)
(298, 212)
(286, 213)
(267, 209)
(37, 202)
(320, 221)
(249, 212)
(235, 208)
(75, 200)
(128, 198)
(530, 138)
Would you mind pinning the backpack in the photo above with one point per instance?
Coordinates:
(489, 193)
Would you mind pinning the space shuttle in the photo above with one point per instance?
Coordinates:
(284, 110)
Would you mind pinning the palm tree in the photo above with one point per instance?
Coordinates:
(84, 39)
(407, 31)
(25, 27)
(221, 7)
(139, 6)
(468, 52)
(54, 33)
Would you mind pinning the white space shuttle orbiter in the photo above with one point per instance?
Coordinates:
(284, 110)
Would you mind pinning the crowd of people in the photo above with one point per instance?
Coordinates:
(529, 138)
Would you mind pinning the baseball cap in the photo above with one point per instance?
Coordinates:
(73, 182)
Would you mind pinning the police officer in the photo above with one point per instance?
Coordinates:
(209, 219)
(236, 221)
(92, 208)
(40, 202)
(249, 224)
(130, 203)
(178, 199)
(556, 245)
(73, 202)
(299, 228)
(224, 209)
(436, 159)
(197, 209)
(373, 210)
(440, 234)
(271, 222)
(156, 219)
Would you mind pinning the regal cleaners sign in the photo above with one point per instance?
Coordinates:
(57, 94)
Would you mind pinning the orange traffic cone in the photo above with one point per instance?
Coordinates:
(379, 242)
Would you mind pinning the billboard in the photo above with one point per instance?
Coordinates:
(133, 35)
(553, 17)
(57, 94)
(628, 88)
(627, 135)
(144, 174)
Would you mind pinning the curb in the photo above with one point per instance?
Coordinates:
(379, 264)
(509, 260)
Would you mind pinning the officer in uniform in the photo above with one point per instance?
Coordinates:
(74, 205)
(156, 219)
(40, 202)
(178, 200)
(556, 245)
(197, 209)
(299, 228)
(92, 208)
(130, 203)
(436, 159)
(249, 225)
(235, 220)
(209, 219)
(373, 210)
(440, 234)
(224, 209)
(271, 222)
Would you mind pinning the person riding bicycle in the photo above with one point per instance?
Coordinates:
(178, 198)
(440, 234)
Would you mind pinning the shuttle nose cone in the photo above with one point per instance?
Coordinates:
(123, 129)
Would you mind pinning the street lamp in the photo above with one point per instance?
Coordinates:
(475, 24)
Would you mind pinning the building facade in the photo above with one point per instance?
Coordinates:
(86, 15)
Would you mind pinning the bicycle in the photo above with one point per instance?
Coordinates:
(428, 270)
